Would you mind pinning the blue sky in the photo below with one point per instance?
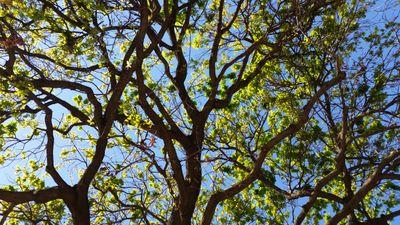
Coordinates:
(69, 172)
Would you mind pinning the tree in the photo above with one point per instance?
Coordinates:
(199, 112)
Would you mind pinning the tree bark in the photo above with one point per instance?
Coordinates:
(183, 210)
(186, 203)
(79, 206)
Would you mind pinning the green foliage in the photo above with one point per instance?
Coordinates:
(204, 89)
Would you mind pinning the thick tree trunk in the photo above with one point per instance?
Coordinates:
(185, 206)
(175, 218)
(79, 207)
(80, 213)
(182, 214)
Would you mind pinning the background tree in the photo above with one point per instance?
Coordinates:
(199, 112)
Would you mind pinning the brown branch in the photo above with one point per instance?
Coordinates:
(369, 184)
(6, 213)
(78, 87)
(253, 175)
(50, 144)
(39, 196)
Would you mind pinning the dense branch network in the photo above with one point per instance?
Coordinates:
(195, 112)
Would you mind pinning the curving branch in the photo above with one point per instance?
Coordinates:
(38, 196)
(219, 196)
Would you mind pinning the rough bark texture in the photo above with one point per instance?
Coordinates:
(78, 205)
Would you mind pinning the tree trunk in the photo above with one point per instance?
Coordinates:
(182, 213)
(78, 205)
(184, 207)
(175, 218)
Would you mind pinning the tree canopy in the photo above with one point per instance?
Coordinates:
(199, 112)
